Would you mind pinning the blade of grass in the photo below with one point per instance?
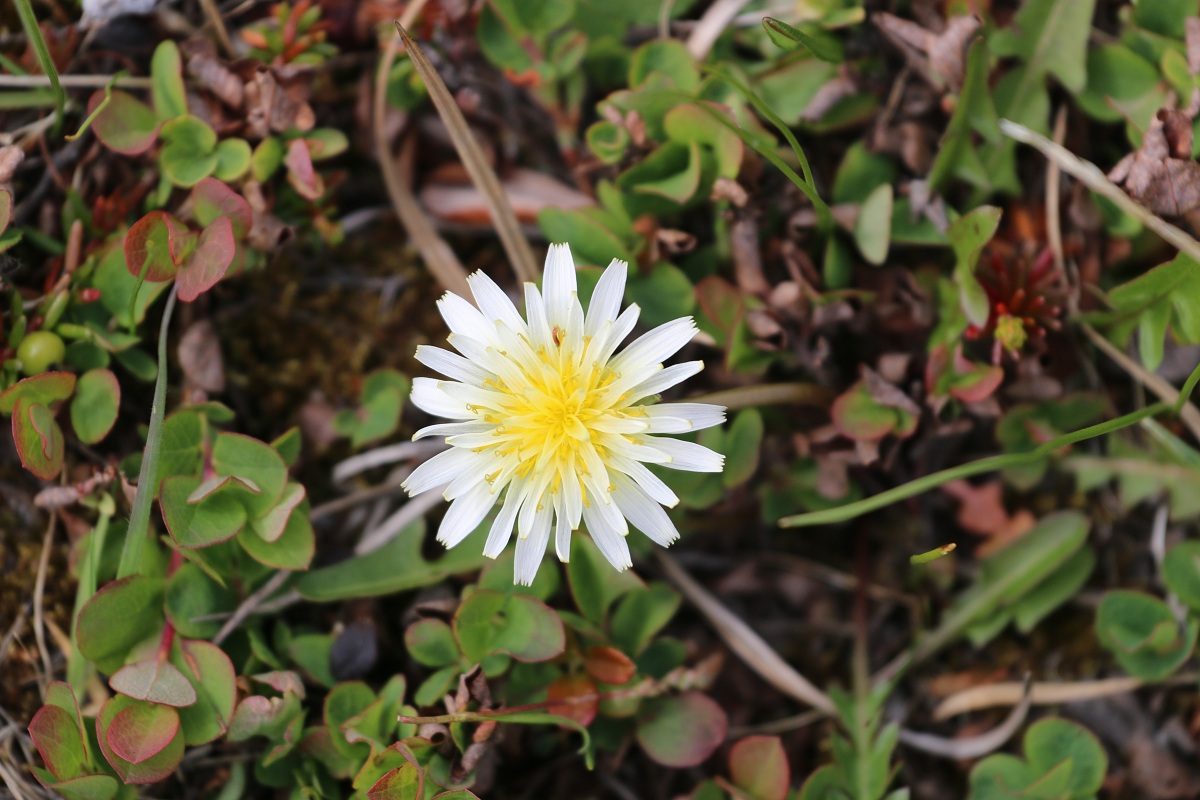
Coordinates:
(139, 516)
(481, 172)
(42, 52)
(34, 98)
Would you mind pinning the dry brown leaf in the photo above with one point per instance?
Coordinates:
(1161, 174)
(205, 66)
(200, 358)
(982, 513)
(10, 157)
(938, 57)
(529, 193)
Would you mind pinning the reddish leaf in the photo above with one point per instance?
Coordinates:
(47, 389)
(209, 263)
(212, 199)
(405, 782)
(136, 734)
(608, 665)
(56, 735)
(682, 731)
(211, 672)
(759, 768)
(154, 681)
(578, 687)
(38, 438)
(142, 730)
(857, 415)
(126, 124)
(301, 175)
(149, 245)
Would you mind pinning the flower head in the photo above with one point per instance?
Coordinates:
(552, 422)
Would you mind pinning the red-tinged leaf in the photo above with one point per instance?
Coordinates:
(212, 674)
(86, 787)
(857, 415)
(155, 682)
(56, 735)
(759, 768)
(47, 389)
(272, 525)
(152, 769)
(141, 731)
(212, 199)
(608, 665)
(578, 688)
(38, 439)
(300, 173)
(682, 731)
(405, 782)
(119, 616)
(210, 261)
(720, 301)
(126, 125)
(149, 246)
(214, 518)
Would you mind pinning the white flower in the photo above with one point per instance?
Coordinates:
(549, 419)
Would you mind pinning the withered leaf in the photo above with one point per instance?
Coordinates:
(938, 57)
(1161, 175)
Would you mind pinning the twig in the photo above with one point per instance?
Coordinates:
(475, 162)
(250, 604)
(1045, 693)
(13, 630)
(1053, 217)
(390, 487)
(1092, 177)
(710, 26)
(777, 726)
(1155, 383)
(74, 81)
(214, 17)
(767, 394)
(439, 258)
(414, 509)
(39, 591)
(743, 641)
(972, 746)
(382, 456)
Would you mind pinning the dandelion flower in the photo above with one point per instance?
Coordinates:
(550, 421)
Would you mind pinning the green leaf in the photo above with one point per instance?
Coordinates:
(253, 461)
(217, 515)
(664, 293)
(669, 57)
(1141, 632)
(167, 92)
(45, 389)
(293, 550)
(672, 172)
(807, 37)
(1050, 742)
(1117, 76)
(57, 735)
(209, 262)
(1059, 587)
(591, 233)
(687, 124)
(493, 622)
(974, 113)
(969, 235)
(212, 199)
(432, 643)
(181, 451)
(117, 617)
(742, 444)
(595, 585)
(189, 154)
(233, 159)
(154, 246)
(759, 767)
(94, 408)
(608, 141)
(155, 682)
(1181, 572)
(397, 566)
(681, 730)
(641, 614)
(1168, 295)
(192, 593)
(872, 228)
(129, 729)
(211, 673)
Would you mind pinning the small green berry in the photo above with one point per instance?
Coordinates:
(38, 350)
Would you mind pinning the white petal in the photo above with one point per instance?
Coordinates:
(532, 548)
(683, 417)
(464, 319)
(651, 484)
(502, 525)
(558, 284)
(572, 494)
(494, 303)
(607, 297)
(453, 429)
(656, 346)
(451, 365)
(607, 538)
(666, 378)
(465, 514)
(442, 469)
(608, 338)
(686, 456)
(646, 515)
(539, 323)
(428, 396)
(562, 530)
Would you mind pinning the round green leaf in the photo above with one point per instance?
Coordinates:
(166, 81)
(38, 439)
(681, 731)
(94, 408)
(119, 616)
(1143, 635)
(209, 262)
(137, 733)
(293, 550)
(1181, 571)
(492, 622)
(126, 125)
(1049, 742)
(212, 199)
(47, 389)
(211, 673)
(192, 521)
(431, 642)
(151, 246)
(233, 159)
(55, 733)
(189, 155)
(759, 767)
(155, 682)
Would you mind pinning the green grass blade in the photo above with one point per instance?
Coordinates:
(42, 52)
